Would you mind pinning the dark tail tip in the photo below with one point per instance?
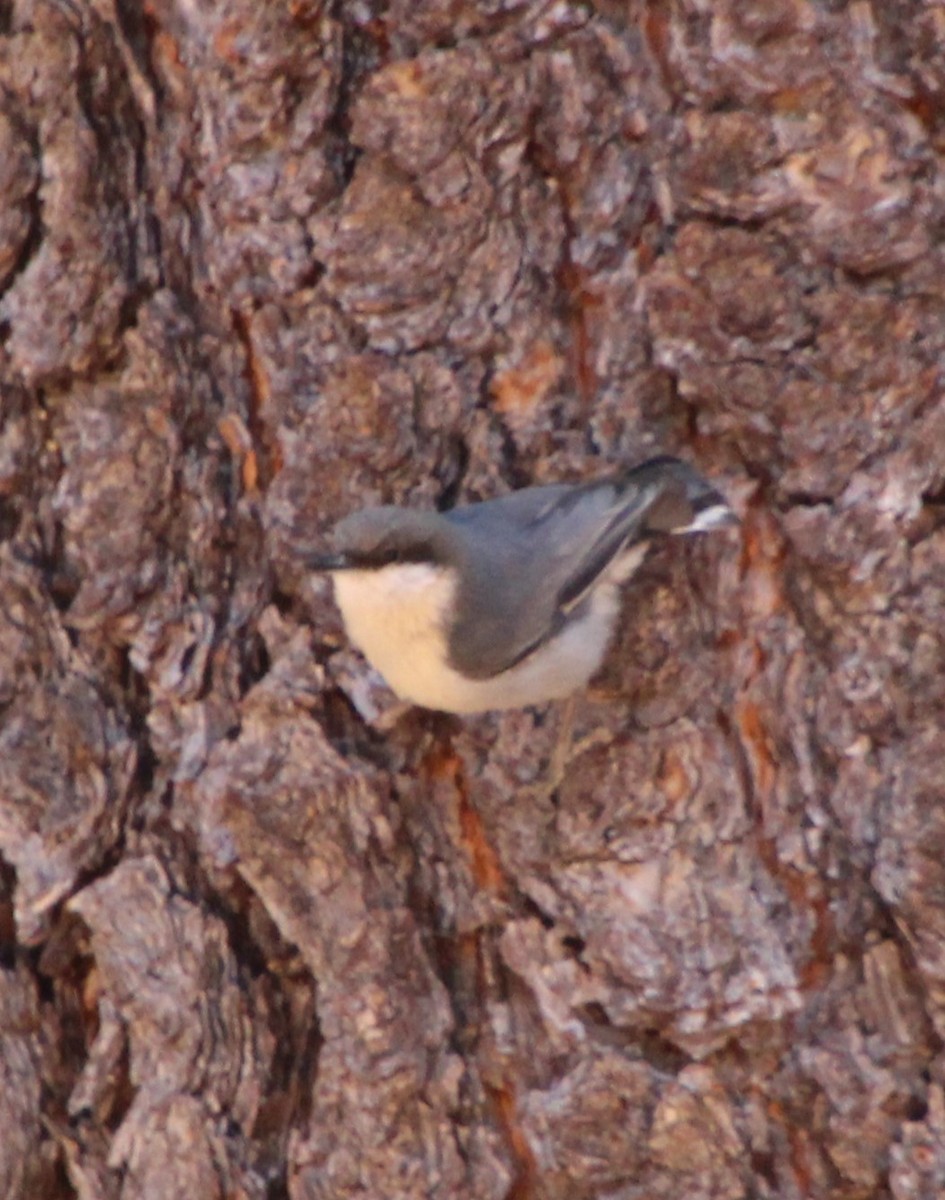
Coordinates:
(685, 501)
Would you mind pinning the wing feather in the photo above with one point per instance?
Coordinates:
(530, 566)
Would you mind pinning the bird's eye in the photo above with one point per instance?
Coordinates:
(386, 555)
(400, 553)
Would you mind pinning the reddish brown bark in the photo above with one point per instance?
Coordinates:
(263, 263)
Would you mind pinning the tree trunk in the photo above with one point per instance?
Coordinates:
(262, 263)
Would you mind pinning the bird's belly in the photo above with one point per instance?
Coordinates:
(397, 617)
(565, 663)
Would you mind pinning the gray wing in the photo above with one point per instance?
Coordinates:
(531, 559)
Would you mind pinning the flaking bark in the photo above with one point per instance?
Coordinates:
(263, 263)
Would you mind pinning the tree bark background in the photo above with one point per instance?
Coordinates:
(263, 263)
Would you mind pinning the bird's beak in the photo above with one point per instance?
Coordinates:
(328, 562)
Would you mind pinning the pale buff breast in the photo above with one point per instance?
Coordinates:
(398, 616)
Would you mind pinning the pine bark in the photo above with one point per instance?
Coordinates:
(264, 263)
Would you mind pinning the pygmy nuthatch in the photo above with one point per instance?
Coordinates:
(508, 602)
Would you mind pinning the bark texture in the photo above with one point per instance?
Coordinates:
(263, 263)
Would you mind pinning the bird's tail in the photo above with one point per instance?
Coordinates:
(685, 502)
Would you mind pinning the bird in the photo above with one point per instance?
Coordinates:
(510, 602)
